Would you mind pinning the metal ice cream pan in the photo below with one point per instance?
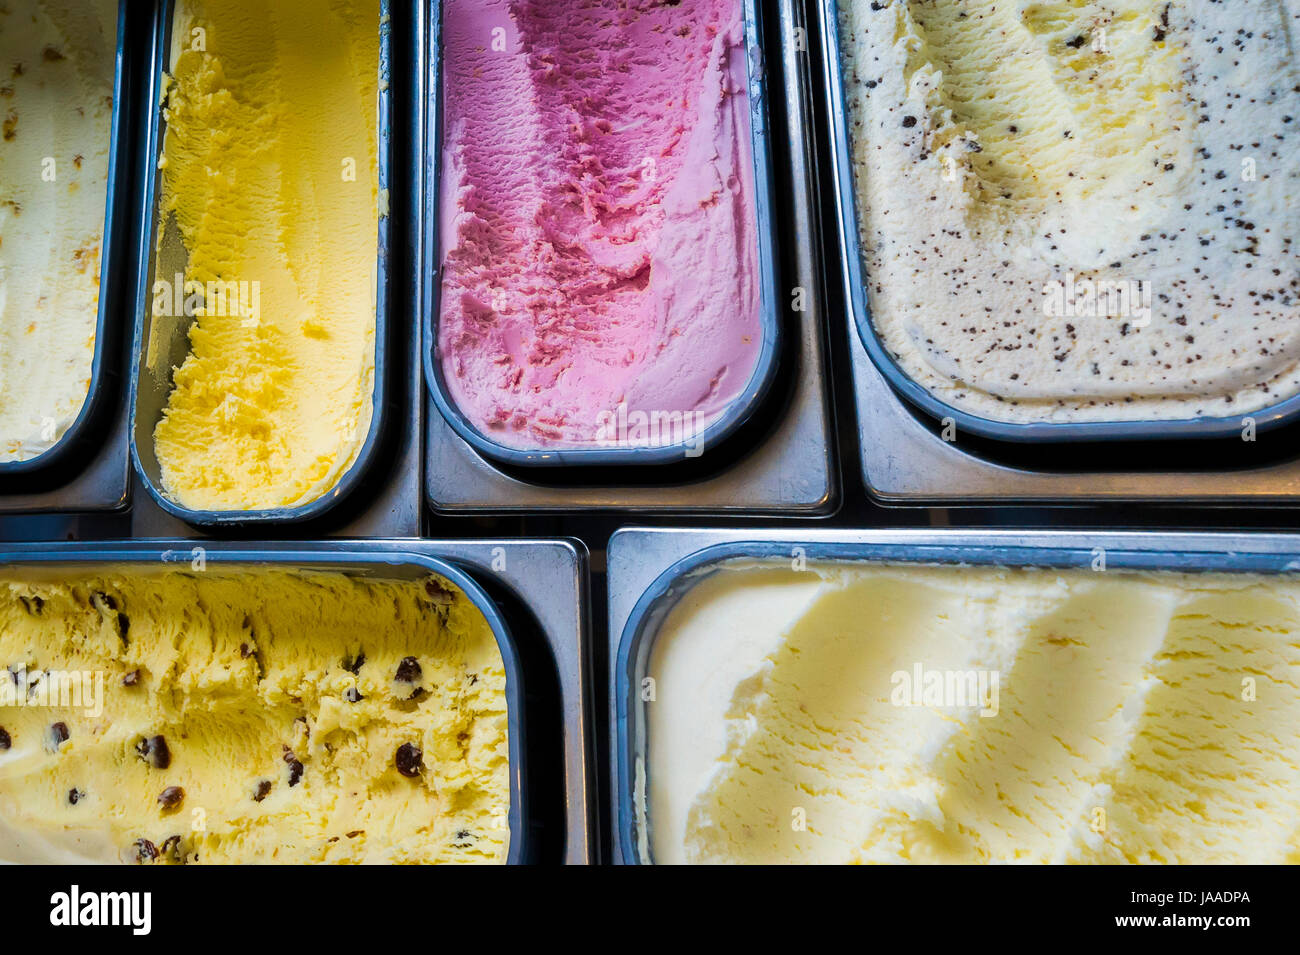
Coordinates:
(854, 279)
(744, 406)
(82, 436)
(685, 558)
(151, 381)
(358, 559)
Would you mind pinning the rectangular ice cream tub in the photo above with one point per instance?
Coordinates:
(1115, 697)
(260, 386)
(1213, 225)
(590, 298)
(68, 293)
(181, 640)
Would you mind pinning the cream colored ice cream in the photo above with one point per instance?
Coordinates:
(876, 713)
(1081, 211)
(56, 108)
(249, 715)
(270, 171)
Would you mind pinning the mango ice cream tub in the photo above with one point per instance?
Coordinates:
(261, 383)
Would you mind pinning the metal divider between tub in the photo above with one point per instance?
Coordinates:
(151, 385)
(78, 438)
(853, 269)
(343, 559)
(633, 823)
(765, 369)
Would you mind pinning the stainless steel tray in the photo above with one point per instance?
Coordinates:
(540, 587)
(766, 365)
(638, 557)
(152, 381)
(907, 461)
(387, 502)
(791, 468)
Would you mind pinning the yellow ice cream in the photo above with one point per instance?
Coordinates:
(270, 171)
(893, 714)
(56, 108)
(287, 703)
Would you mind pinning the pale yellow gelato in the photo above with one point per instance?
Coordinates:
(249, 715)
(875, 713)
(270, 171)
(56, 108)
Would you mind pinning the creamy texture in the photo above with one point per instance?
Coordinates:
(282, 685)
(1137, 718)
(597, 217)
(270, 170)
(1002, 147)
(56, 109)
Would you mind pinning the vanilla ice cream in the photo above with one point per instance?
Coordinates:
(1080, 211)
(878, 713)
(56, 109)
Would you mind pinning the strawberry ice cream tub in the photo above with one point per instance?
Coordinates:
(599, 229)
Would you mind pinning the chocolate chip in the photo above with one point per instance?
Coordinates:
(5, 739)
(354, 664)
(131, 679)
(154, 751)
(123, 627)
(909, 122)
(244, 651)
(295, 772)
(409, 760)
(263, 790)
(172, 851)
(437, 591)
(75, 796)
(171, 797)
(145, 851)
(353, 695)
(409, 671)
(106, 600)
(58, 735)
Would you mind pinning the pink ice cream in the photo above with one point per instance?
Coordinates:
(598, 220)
